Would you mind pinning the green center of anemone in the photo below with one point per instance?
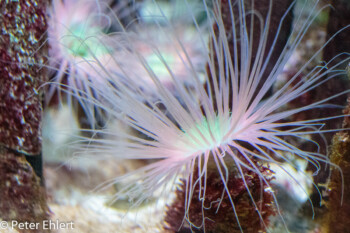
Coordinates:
(157, 63)
(207, 134)
(83, 41)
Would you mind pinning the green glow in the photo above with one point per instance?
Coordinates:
(207, 134)
(157, 65)
(83, 42)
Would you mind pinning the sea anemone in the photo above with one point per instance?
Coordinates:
(81, 47)
(85, 51)
(155, 41)
(232, 120)
(167, 52)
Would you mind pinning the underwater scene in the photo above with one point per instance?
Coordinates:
(175, 116)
